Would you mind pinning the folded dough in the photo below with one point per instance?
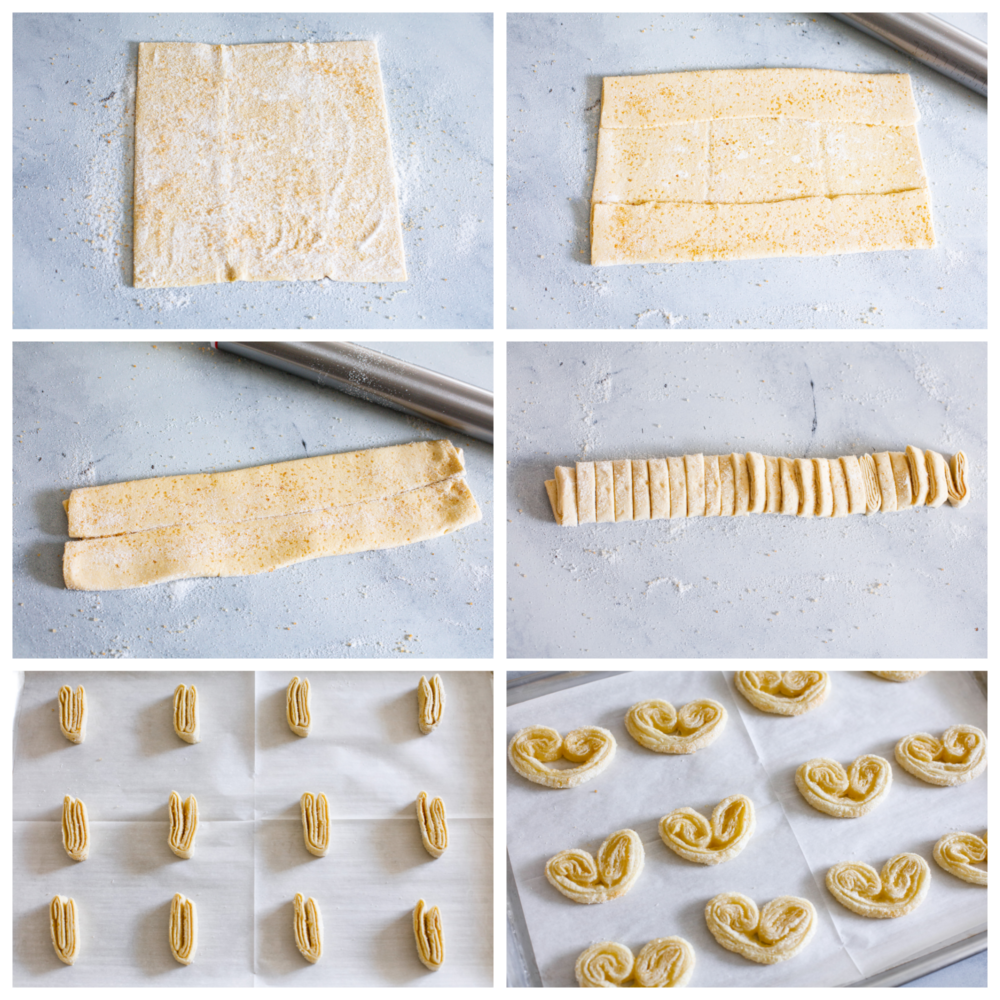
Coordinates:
(826, 786)
(186, 714)
(297, 712)
(665, 962)
(773, 934)
(689, 834)
(428, 930)
(73, 713)
(899, 889)
(259, 546)
(577, 875)
(430, 703)
(957, 757)
(64, 928)
(727, 485)
(183, 825)
(433, 825)
(183, 932)
(315, 811)
(308, 928)
(75, 829)
(591, 747)
(657, 726)
(783, 693)
(959, 853)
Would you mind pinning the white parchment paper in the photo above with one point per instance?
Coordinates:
(793, 845)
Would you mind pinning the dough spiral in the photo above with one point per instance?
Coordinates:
(665, 962)
(308, 928)
(826, 786)
(187, 717)
(773, 934)
(688, 833)
(656, 725)
(959, 853)
(183, 929)
(430, 703)
(895, 891)
(297, 711)
(579, 877)
(315, 810)
(183, 825)
(75, 828)
(428, 931)
(957, 757)
(433, 824)
(898, 675)
(73, 713)
(783, 693)
(64, 928)
(535, 746)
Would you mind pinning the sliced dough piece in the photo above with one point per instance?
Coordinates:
(186, 551)
(586, 493)
(846, 794)
(297, 709)
(937, 478)
(918, 474)
(656, 725)
(263, 162)
(308, 928)
(694, 474)
(640, 490)
(741, 484)
(433, 825)
(805, 479)
(296, 487)
(578, 876)
(901, 479)
(959, 853)
(824, 487)
(430, 703)
(838, 484)
(65, 929)
(678, 486)
(886, 481)
(958, 490)
(957, 757)
(873, 492)
(894, 892)
(727, 486)
(622, 470)
(775, 933)
(758, 482)
(710, 842)
(789, 486)
(772, 492)
(857, 498)
(428, 930)
(713, 495)
(605, 486)
(533, 747)
(659, 488)
(315, 811)
(73, 713)
(75, 828)
(183, 825)
(566, 494)
(183, 929)
(187, 715)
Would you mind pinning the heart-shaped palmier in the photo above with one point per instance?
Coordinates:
(773, 934)
(790, 693)
(533, 747)
(959, 853)
(578, 876)
(687, 833)
(959, 756)
(657, 726)
(899, 888)
(826, 786)
(665, 962)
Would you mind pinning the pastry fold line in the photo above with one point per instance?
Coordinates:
(428, 931)
(75, 828)
(578, 876)
(308, 928)
(183, 825)
(957, 757)
(656, 725)
(783, 693)
(316, 823)
(898, 675)
(710, 842)
(895, 891)
(73, 713)
(533, 747)
(186, 714)
(846, 794)
(64, 926)
(775, 933)
(959, 853)
(183, 929)
(297, 706)
(430, 703)
(663, 962)
(433, 824)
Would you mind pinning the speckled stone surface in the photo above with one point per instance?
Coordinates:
(908, 584)
(74, 115)
(87, 414)
(555, 65)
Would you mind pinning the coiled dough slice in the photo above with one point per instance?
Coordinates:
(183, 932)
(183, 825)
(656, 725)
(297, 710)
(959, 853)
(428, 930)
(308, 928)
(75, 829)
(957, 757)
(846, 794)
(775, 933)
(783, 693)
(65, 929)
(73, 713)
(315, 810)
(665, 962)
(710, 842)
(187, 717)
(433, 825)
(430, 703)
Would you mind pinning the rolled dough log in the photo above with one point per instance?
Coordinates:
(259, 546)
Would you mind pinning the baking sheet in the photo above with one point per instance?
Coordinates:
(911, 584)
(248, 773)
(555, 66)
(92, 413)
(792, 846)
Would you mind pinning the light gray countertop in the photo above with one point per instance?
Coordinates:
(911, 584)
(73, 148)
(555, 65)
(87, 414)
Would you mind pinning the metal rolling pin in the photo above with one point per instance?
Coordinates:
(379, 378)
(929, 40)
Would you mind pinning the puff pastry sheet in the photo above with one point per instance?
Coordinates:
(774, 933)
(265, 162)
(578, 876)
(895, 891)
(665, 962)
(657, 725)
(533, 748)
(737, 164)
(959, 853)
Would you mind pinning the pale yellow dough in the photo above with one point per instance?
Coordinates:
(591, 748)
(578, 876)
(663, 963)
(894, 892)
(183, 931)
(656, 725)
(957, 757)
(64, 928)
(846, 794)
(183, 825)
(308, 928)
(775, 933)
(959, 853)
(430, 703)
(428, 932)
(433, 824)
(263, 162)
(778, 692)
(75, 828)
(710, 842)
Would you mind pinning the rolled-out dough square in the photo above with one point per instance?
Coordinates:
(265, 162)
